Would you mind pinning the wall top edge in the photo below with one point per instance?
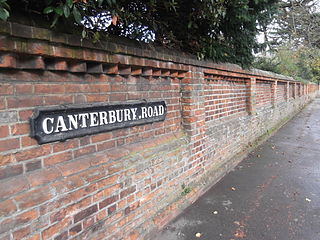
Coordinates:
(27, 33)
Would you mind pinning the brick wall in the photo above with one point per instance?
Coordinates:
(126, 183)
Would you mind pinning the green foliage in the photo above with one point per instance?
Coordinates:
(185, 189)
(4, 10)
(221, 30)
(302, 64)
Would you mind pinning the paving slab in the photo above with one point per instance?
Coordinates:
(274, 193)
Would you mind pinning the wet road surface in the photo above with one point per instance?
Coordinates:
(272, 194)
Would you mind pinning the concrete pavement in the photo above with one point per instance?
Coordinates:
(272, 194)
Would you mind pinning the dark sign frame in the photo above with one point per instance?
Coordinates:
(135, 113)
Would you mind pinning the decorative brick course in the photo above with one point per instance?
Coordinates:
(126, 183)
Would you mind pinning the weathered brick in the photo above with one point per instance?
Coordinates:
(9, 144)
(48, 89)
(20, 129)
(33, 153)
(56, 228)
(8, 117)
(84, 151)
(6, 89)
(22, 102)
(62, 236)
(108, 201)
(7, 207)
(57, 158)
(75, 230)
(4, 131)
(34, 165)
(7, 61)
(62, 146)
(26, 217)
(127, 191)
(21, 233)
(11, 171)
(33, 198)
(78, 165)
(85, 213)
(43, 176)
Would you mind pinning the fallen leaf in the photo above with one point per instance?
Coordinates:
(233, 188)
(114, 20)
(308, 200)
(198, 235)
(215, 212)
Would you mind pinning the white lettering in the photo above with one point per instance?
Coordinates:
(112, 116)
(45, 125)
(161, 110)
(155, 111)
(103, 118)
(94, 119)
(144, 112)
(61, 125)
(150, 111)
(83, 117)
(134, 113)
(127, 115)
(73, 121)
(119, 115)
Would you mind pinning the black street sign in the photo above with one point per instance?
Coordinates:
(59, 124)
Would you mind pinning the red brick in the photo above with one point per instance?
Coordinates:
(55, 100)
(127, 191)
(49, 88)
(21, 233)
(62, 236)
(22, 102)
(75, 230)
(107, 182)
(88, 222)
(74, 166)
(43, 176)
(33, 198)
(7, 61)
(7, 207)
(108, 201)
(98, 98)
(35, 237)
(56, 228)
(12, 186)
(4, 131)
(20, 128)
(57, 158)
(62, 146)
(11, 171)
(25, 115)
(33, 153)
(6, 159)
(24, 89)
(6, 89)
(9, 144)
(84, 141)
(27, 217)
(106, 145)
(2, 103)
(84, 151)
(34, 165)
(112, 209)
(85, 213)
(118, 97)
(27, 141)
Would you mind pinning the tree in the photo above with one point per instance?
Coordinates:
(221, 30)
(297, 23)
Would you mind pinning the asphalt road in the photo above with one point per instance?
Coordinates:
(272, 194)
